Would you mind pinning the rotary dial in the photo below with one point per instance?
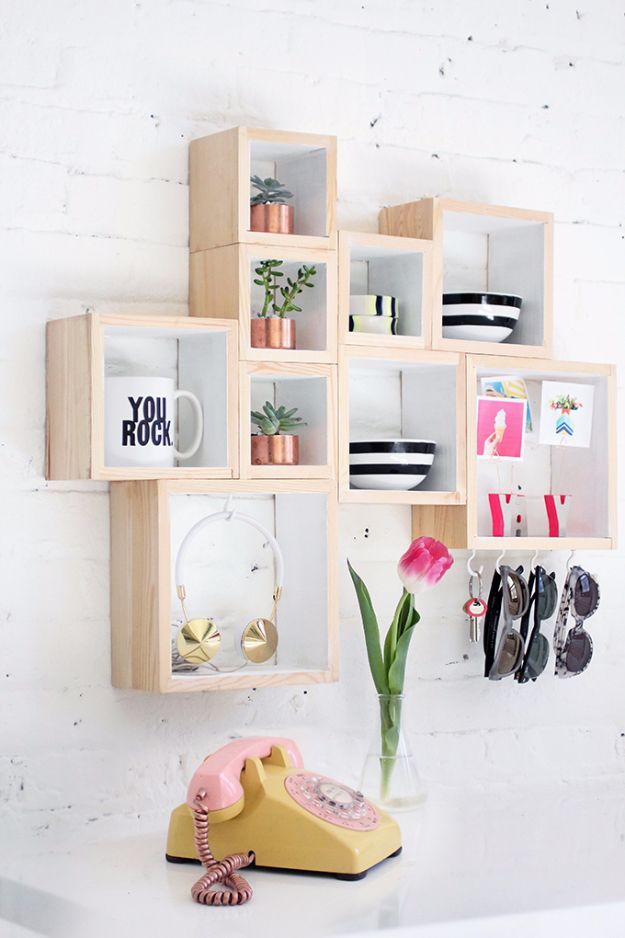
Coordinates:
(332, 801)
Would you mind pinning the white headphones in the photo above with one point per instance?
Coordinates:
(199, 640)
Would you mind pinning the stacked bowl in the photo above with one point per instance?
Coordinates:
(373, 313)
(480, 317)
(394, 465)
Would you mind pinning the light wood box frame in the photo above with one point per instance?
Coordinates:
(75, 397)
(141, 587)
(279, 474)
(219, 283)
(219, 188)
(457, 526)
(425, 219)
(347, 240)
(409, 357)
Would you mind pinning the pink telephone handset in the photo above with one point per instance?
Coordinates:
(216, 783)
(216, 786)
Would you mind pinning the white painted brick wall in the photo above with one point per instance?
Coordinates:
(519, 103)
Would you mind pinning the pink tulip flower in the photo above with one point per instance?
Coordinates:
(425, 562)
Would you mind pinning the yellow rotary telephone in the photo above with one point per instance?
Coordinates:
(257, 805)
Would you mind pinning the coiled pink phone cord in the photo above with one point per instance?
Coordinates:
(218, 871)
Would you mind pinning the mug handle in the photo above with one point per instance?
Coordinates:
(199, 419)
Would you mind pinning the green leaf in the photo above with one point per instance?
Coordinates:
(390, 642)
(397, 669)
(372, 632)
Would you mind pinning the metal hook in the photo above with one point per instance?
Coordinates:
(228, 508)
(534, 560)
(570, 559)
(474, 573)
(499, 559)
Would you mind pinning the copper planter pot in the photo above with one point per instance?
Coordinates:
(275, 217)
(278, 450)
(272, 332)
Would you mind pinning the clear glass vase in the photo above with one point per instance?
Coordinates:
(389, 776)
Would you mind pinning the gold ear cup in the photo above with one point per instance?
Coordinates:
(259, 640)
(198, 640)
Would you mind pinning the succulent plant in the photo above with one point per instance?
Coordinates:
(267, 277)
(269, 190)
(292, 289)
(274, 420)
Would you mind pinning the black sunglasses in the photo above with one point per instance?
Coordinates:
(515, 603)
(544, 599)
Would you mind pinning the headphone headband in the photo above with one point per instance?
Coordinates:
(227, 515)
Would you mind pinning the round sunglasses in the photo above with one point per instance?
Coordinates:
(574, 648)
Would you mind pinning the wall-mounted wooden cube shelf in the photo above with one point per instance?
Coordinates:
(221, 282)
(477, 248)
(309, 387)
(82, 351)
(385, 266)
(408, 395)
(230, 582)
(220, 169)
(581, 479)
(586, 475)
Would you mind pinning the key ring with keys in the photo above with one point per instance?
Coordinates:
(475, 607)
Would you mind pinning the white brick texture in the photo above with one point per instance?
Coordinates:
(519, 103)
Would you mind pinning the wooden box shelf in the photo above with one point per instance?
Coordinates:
(221, 283)
(585, 475)
(309, 387)
(407, 394)
(231, 582)
(220, 169)
(82, 351)
(477, 248)
(387, 266)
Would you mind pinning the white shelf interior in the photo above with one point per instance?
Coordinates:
(197, 361)
(395, 399)
(309, 394)
(303, 170)
(387, 272)
(502, 255)
(311, 323)
(230, 576)
(581, 473)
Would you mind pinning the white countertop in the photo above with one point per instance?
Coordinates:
(550, 862)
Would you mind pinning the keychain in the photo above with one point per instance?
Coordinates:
(475, 608)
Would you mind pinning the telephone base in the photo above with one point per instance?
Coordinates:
(347, 877)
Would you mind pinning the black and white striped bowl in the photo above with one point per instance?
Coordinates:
(480, 317)
(394, 465)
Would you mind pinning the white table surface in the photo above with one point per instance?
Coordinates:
(508, 862)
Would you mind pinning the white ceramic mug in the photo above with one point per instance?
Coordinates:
(140, 422)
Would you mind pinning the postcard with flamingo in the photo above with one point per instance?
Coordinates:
(566, 413)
